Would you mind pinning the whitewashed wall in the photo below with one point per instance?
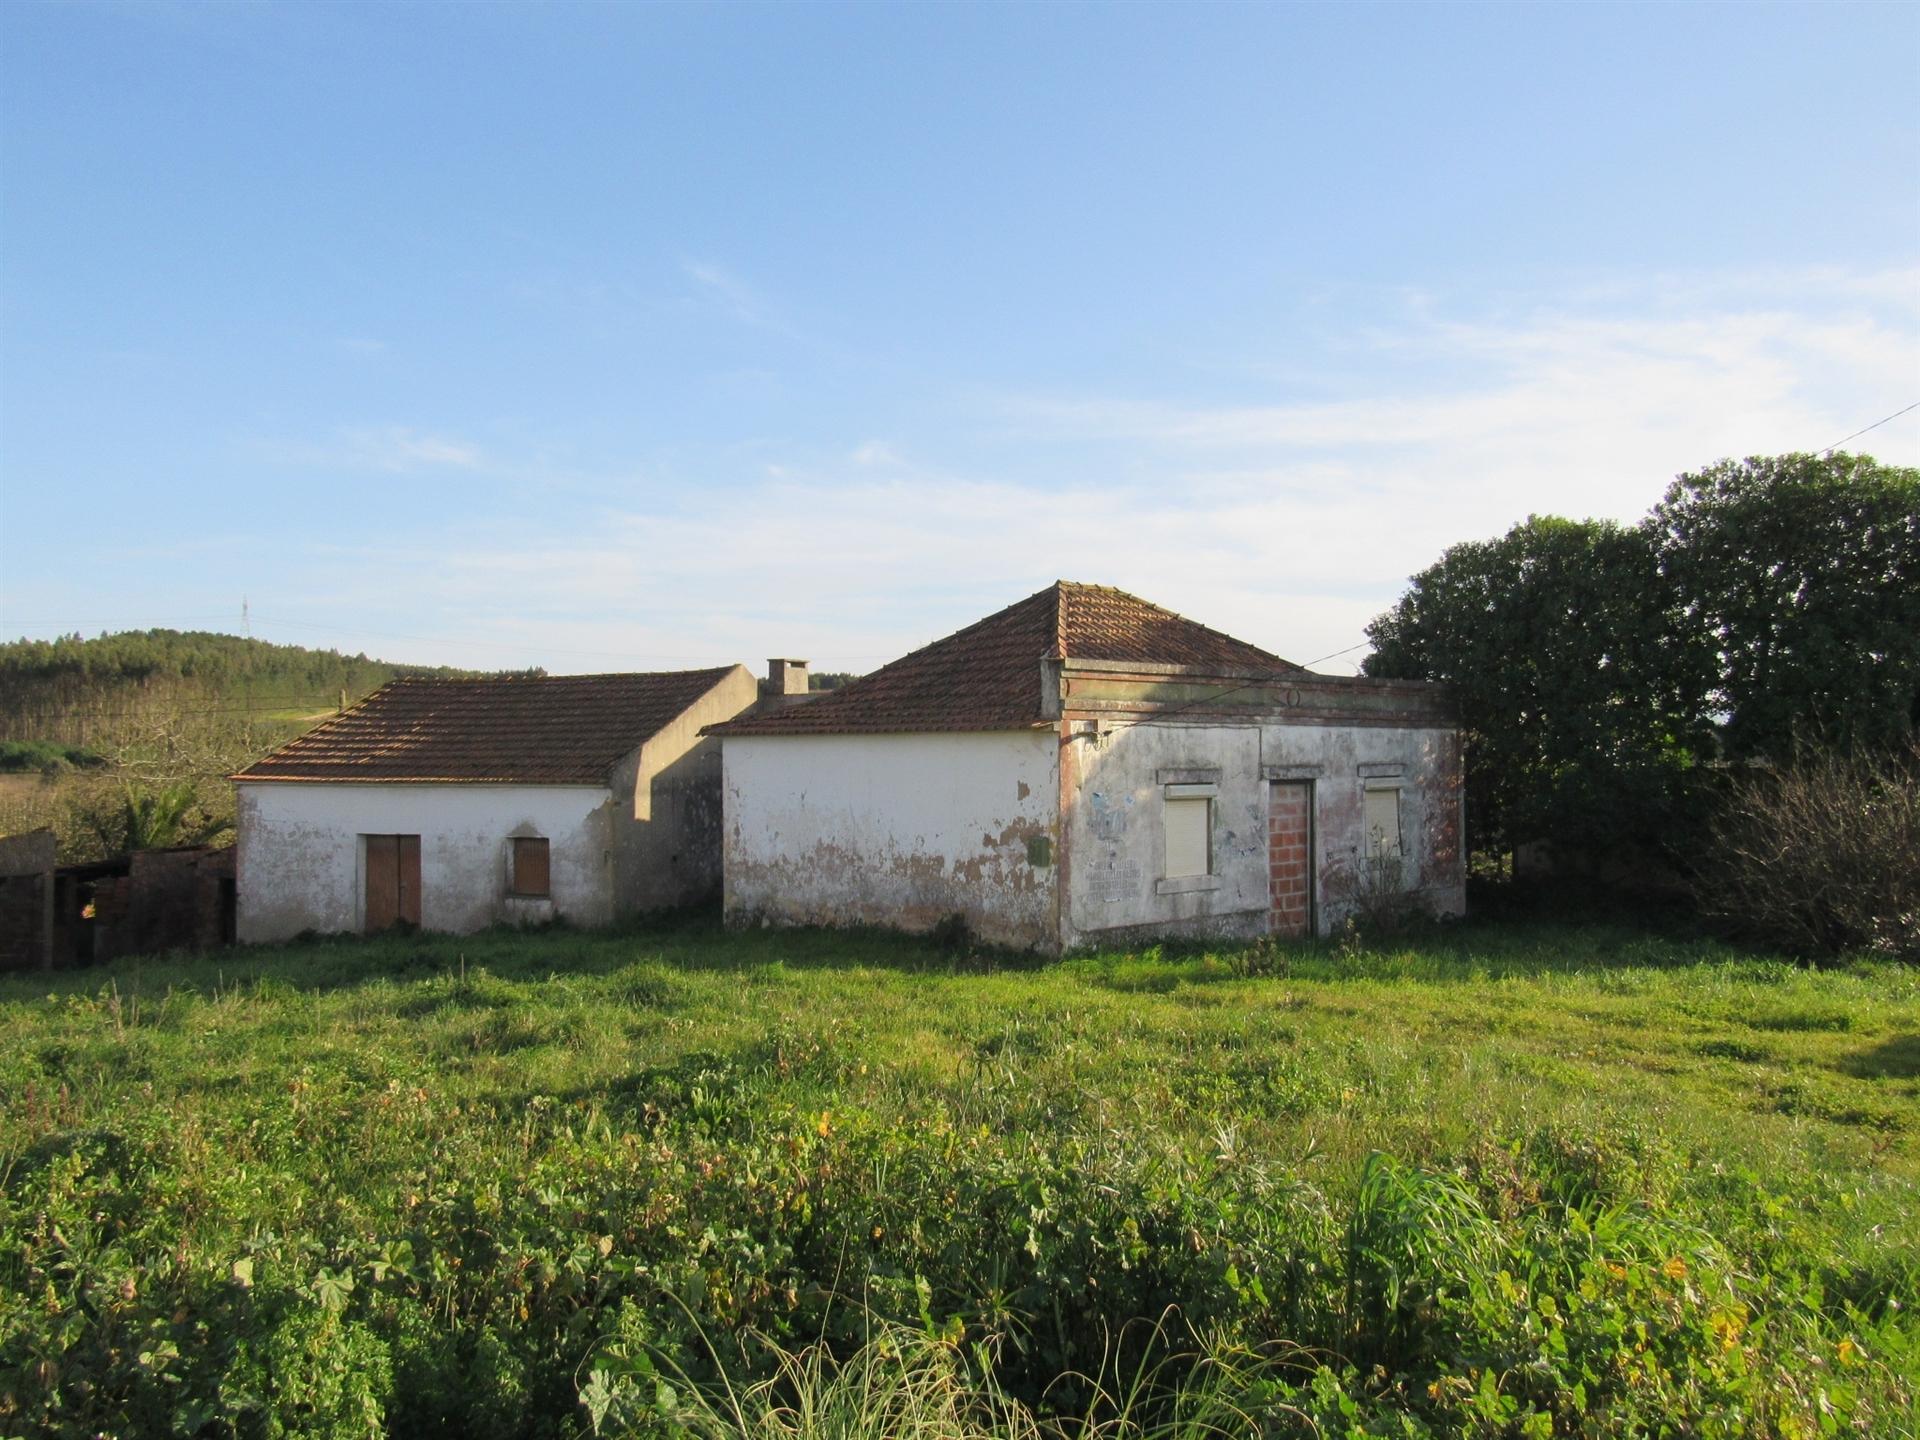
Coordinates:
(301, 864)
(899, 830)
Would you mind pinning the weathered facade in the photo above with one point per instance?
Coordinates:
(1317, 790)
(901, 830)
(455, 804)
(1085, 768)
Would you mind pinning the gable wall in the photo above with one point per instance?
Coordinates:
(666, 835)
(897, 830)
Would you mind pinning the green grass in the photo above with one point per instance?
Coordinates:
(1517, 1179)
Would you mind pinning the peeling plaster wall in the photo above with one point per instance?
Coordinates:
(899, 830)
(301, 863)
(1115, 838)
(666, 847)
(1431, 795)
(1117, 844)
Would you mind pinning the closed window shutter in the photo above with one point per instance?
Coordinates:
(1188, 841)
(1383, 822)
(530, 872)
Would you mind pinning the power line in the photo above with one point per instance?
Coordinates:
(1269, 678)
(1337, 654)
(1828, 449)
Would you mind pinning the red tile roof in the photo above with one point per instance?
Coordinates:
(545, 730)
(987, 676)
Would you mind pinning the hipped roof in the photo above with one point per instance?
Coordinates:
(987, 676)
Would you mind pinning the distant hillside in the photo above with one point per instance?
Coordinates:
(76, 691)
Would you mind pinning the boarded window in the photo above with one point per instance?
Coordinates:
(1189, 825)
(1383, 821)
(530, 872)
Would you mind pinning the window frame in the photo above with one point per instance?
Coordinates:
(1207, 796)
(1371, 851)
(515, 888)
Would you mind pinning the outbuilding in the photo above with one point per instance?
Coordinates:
(1086, 768)
(458, 804)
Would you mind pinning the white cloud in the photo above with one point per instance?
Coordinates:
(725, 289)
(397, 449)
(1288, 521)
(389, 449)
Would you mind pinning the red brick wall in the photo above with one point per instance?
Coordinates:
(1289, 831)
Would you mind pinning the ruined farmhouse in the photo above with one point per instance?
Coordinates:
(459, 804)
(1084, 767)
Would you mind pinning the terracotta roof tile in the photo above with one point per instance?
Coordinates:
(552, 730)
(987, 676)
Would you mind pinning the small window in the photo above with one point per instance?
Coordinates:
(530, 872)
(1382, 821)
(1189, 825)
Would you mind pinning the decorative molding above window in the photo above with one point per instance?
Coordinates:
(1292, 772)
(1188, 775)
(1192, 792)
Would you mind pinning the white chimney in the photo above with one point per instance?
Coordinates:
(787, 677)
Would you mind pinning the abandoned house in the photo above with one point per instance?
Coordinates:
(1083, 768)
(458, 804)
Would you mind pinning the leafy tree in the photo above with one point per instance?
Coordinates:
(1581, 699)
(1803, 574)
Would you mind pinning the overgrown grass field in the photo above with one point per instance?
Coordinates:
(1518, 1179)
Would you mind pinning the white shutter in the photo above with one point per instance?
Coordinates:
(1382, 832)
(1189, 847)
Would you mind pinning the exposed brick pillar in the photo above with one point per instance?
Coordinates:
(1289, 857)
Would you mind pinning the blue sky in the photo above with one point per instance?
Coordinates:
(618, 337)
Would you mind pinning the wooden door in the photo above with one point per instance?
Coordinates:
(393, 881)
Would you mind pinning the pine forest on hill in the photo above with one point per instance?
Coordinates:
(91, 729)
(85, 692)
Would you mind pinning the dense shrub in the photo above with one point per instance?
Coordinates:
(725, 1236)
(367, 1189)
(47, 757)
(1822, 857)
